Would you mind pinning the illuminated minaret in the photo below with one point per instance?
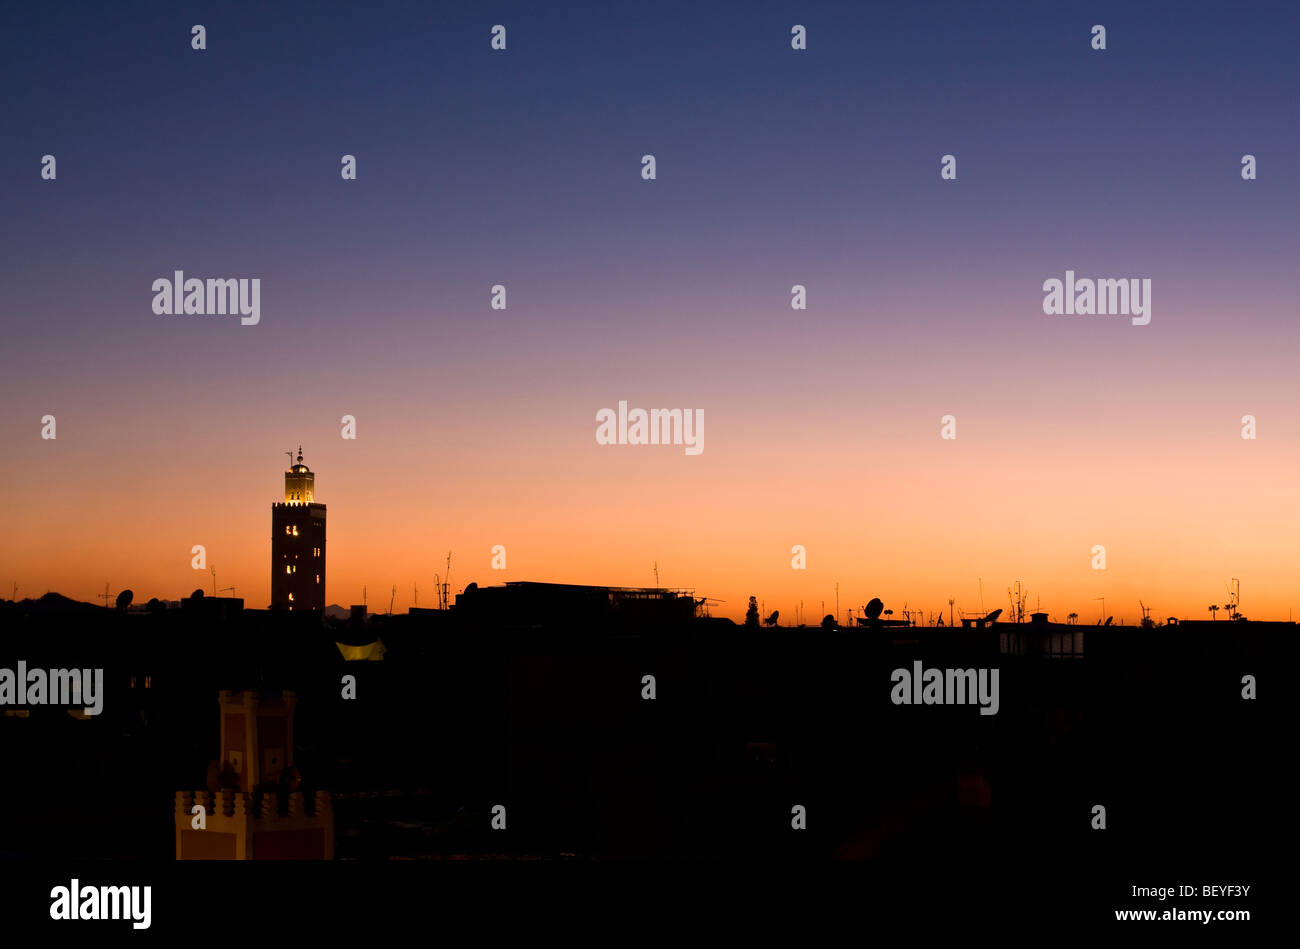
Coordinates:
(298, 543)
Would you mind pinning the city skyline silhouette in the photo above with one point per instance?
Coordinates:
(755, 436)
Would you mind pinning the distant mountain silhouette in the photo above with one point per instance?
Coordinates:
(55, 603)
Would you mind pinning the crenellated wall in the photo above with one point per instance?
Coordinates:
(243, 826)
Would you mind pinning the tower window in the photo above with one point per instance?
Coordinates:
(318, 578)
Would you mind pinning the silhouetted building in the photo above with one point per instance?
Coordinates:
(258, 811)
(221, 608)
(524, 604)
(298, 543)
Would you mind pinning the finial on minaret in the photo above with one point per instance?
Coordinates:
(299, 454)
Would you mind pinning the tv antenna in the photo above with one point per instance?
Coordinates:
(1234, 598)
(446, 583)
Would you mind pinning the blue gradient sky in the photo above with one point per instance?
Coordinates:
(523, 168)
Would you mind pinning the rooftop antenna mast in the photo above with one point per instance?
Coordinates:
(1020, 597)
(214, 579)
(391, 598)
(446, 583)
(656, 574)
(104, 596)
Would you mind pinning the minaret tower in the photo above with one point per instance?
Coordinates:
(298, 543)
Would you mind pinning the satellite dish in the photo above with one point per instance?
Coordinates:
(124, 599)
(197, 594)
(1108, 619)
(771, 620)
(471, 588)
(874, 608)
(993, 617)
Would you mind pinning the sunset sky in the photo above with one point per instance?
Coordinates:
(476, 427)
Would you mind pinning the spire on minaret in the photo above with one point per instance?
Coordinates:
(299, 482)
